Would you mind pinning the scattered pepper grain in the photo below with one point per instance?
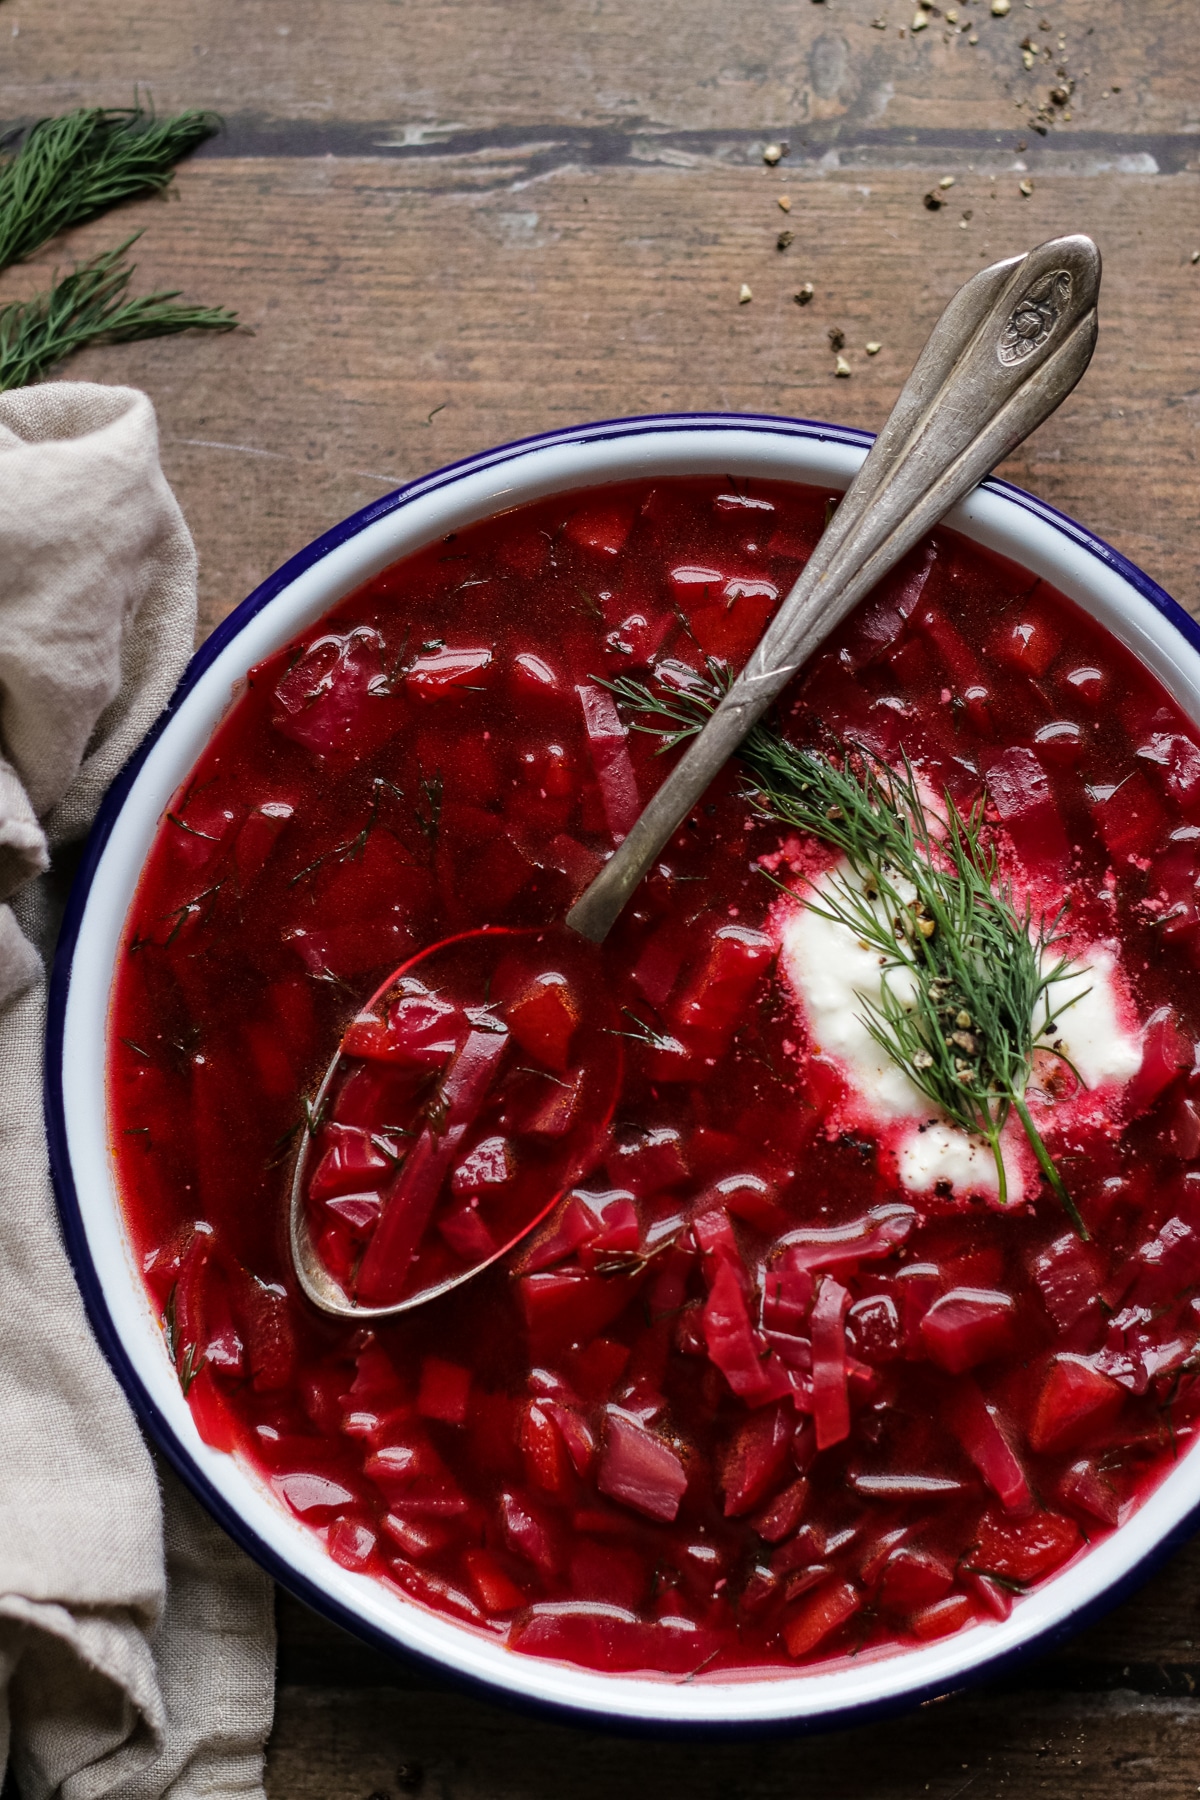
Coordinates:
(804, 294)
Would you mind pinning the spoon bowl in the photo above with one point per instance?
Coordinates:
(473, 1089)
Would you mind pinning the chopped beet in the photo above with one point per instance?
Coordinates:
(639, 1469)
(730, 1394)
(732, 1343)
(715, 996)
(815, 1618)
(976, 1425)
(1166, 1050)
(496, 1590)
(444, 1391)
(615, 1640)
(431, 676)
(314, 1497)
(943, 1617)
(544, 1451)
(967, 1326)
(831, 1406)
(543, 1020)
(1026, 1549)
(912, 1578)
(411, 1199)
(615, 775)
(1075, 1399)
(1083, 1488)
(754, 1460)
(1130, 816)
(574, 1225)
(1068, 1278)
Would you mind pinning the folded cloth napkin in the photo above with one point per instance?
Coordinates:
(136, 1641)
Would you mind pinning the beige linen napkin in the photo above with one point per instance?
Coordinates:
(136, 1642)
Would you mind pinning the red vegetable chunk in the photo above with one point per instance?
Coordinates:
(968, 1326)
(412, 1197)
(831, 1404)
(976, 1425)
(610, 756)
(543, 1020)
(702, 1385)
(640, 1470)
(1075, 1399)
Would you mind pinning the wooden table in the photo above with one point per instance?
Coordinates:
(451, 222)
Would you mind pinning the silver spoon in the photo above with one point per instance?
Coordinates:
(1006, 352)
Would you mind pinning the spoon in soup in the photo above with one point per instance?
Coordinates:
(477, 1085)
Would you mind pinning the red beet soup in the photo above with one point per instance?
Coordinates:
(783, 1375)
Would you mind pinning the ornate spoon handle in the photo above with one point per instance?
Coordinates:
(1009, 347)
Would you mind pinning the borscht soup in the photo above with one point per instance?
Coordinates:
(862, 1293)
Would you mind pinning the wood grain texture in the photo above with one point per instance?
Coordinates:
(379, 292)
(386, 1744)
(678, 63)
(449, 223)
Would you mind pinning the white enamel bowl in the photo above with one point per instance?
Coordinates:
(998, 516)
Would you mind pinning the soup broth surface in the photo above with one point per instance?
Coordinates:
(778, 1380)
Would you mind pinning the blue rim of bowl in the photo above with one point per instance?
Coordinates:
(70, 1212)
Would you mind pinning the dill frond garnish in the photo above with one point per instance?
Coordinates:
(188, 1363)
(65, 171)
(72, 168)
(351, 848)
(89, 306)
(429, 820)
(967, 975)
(643, 1033)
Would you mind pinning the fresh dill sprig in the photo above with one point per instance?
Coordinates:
(71, 168)
(188, 1363)
(89, 306)
(350, 849)
(644, 1033)
(429, 821)
(967, 976)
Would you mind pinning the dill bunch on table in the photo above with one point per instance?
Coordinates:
(90, 306)
(70, 169)
(972, 974)
(73, 168)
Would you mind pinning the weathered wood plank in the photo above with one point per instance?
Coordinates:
(380, 292)
(389, 1744)
(788, 63)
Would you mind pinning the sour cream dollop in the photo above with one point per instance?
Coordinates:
(832, 974)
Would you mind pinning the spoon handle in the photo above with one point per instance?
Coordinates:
(1010, 346)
